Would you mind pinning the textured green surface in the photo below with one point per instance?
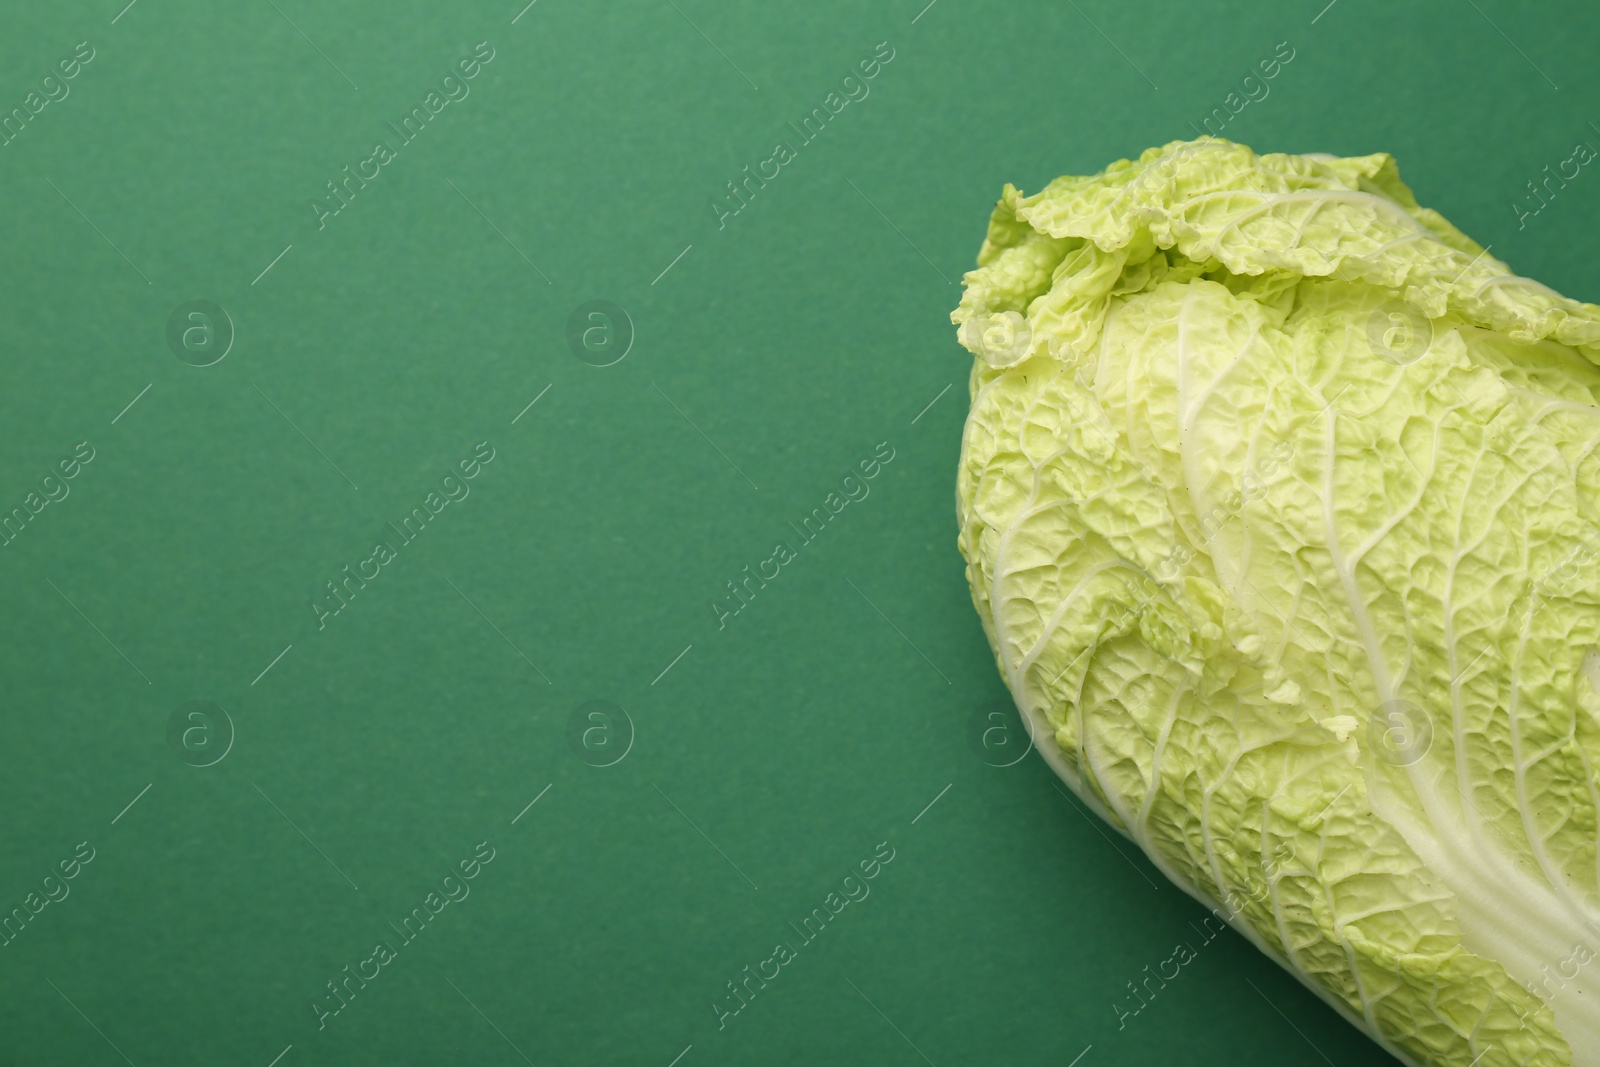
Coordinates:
(816, 724)
(1279, 511)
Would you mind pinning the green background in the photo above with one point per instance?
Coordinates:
(819, 722)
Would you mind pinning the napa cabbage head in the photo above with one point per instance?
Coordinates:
(1278, 498)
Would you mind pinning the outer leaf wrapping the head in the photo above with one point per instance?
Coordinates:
(1278, 498)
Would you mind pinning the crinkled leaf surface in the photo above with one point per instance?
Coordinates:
(1278, 498)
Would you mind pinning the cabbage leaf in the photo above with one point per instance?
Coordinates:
(1278, 497)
